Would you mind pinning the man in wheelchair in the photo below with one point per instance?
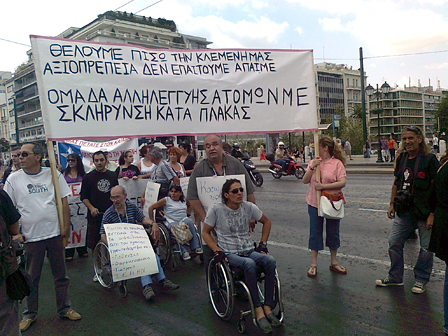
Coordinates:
(123, 211)
(230, 219)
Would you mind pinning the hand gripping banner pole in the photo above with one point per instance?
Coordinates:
(316, 153)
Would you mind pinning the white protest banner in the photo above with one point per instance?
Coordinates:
(151, 194)
(99, 90)
(131, 252)
(184, 184)
(209, 188)
(134, 189)
(78, 219)
(85, 149)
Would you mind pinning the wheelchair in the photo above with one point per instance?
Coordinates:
(168, 247)
(225, 283)
(103, 268)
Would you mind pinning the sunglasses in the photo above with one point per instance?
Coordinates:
(24, 154)
(15, 155)
(71, 160)
(235, 191)
(414, 129)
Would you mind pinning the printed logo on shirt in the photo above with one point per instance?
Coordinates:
(103, 185)
(36, 188)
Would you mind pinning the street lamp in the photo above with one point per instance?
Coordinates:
(385, 89)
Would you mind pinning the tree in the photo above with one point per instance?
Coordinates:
(351, 127)
(442, 116)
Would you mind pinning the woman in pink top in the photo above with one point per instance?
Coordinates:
(332, 169)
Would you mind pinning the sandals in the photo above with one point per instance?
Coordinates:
(312, 272)
(338, 269)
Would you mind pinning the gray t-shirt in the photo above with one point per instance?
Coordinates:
(163, 172)
(232, 226)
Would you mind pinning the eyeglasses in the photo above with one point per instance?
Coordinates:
(71, 160)
(113, 198)
(235, 191)
(24, 154)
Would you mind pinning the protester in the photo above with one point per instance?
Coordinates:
(145, 164)
(127, 170)
(333, 178)
(176, 210)
(163, 173)
(174, 155)
(230, 220)
(9, 229)
(95, 194)
(15, 164)
(74, 172)
(392, 147)
(385, 149)
(32, 192)
(186, 159)
(414, 173)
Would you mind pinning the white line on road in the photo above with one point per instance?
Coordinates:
(348, 256)
(361, 209)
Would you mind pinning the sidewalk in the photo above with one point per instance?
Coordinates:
(359, 165)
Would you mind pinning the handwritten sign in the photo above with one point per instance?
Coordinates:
(92, 89)
(151, 194)
(134, 189)
(78, 219)
(184, 184)
(131, 252)
(209, 188)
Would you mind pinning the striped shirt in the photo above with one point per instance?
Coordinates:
(133, 215)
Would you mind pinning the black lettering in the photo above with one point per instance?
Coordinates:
(243, 108)
(48, 68)
(61, 108)
(301, 96)
(49, 94)
(117, 95)
(137, 107)
(159, 114)
(76, 114)
(92, 97)
(55, 50)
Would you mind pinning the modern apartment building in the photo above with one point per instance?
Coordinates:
(114, 27)
(338, 87)
(4, 77)
(404, 107)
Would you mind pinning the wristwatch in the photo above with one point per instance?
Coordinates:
(263, 243)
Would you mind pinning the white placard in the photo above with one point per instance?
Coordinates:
(134, 189)
(209, 188)
(184, 184)
(78, 217)
(151, 194)
(101, 90)
(131, 252)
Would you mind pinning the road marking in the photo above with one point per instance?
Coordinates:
(302, 196)
(349, 256)
(360, 209)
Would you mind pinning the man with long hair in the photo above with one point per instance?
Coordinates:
(414, 172)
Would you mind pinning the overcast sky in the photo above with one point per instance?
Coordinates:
(333, 29)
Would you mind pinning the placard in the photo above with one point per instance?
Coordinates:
(131, 252)
(151, 194)
(134, 189)
(78, 217)
(94, 90)
(184, 184)
(209, 188)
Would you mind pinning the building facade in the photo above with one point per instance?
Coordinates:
(25, 113)
(411, 106)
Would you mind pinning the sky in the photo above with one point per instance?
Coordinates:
(403, 40)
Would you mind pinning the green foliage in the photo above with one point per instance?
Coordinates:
(351, 127)
(442, 116)
(247, 145)
(162, 23)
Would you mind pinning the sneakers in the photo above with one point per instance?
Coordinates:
(419, 288)
(186, 256)
(199, 250)
(168, 285)
(387, 282)
(26, 323)
(148, 292)
(71, 315)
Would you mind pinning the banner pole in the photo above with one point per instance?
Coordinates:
(57, 190)
(316, 153)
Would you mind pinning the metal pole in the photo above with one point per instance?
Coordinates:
(363, 98)
(380, 158)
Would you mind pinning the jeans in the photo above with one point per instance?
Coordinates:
(9, 313)
(147, 279)
(35, 259)
(397, 237)
(316, 241)
(282, 162)
(249, 265)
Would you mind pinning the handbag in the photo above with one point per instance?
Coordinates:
(332, 206)
(181, 231)
(18, 284)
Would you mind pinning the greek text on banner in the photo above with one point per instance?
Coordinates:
(97, 90)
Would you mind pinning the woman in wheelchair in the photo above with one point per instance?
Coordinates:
(230, 219)
(175, 209)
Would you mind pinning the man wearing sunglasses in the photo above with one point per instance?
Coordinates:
(415, 171)
(32, 192)
(15, 164)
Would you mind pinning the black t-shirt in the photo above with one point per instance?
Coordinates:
(9, 214)
(189, 162)
(6, 174)
(96, 188)
(130, 171)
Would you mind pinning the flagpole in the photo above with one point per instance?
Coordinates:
(57, 189)
(316, 153)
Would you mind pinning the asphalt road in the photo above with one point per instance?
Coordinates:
(329, 304)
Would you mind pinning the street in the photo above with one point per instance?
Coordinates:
(330, 304)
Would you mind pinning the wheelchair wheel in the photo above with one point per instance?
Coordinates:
(123, 289)
(221, 288)
(164, 249)
(241, 326)
(102, 266)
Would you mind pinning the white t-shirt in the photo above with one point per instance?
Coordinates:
(33, 195)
